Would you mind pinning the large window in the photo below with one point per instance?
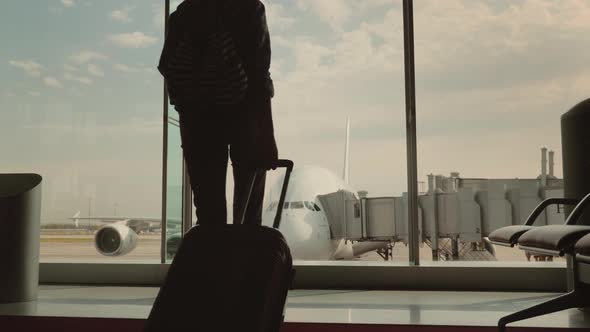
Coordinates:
(81, 104)
(493, 78)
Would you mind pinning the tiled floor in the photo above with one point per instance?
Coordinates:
(317, 306)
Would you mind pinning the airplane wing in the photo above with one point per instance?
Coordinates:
(109, 219)
(135, 223)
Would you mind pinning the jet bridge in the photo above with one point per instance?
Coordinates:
(453, 221)
(366, 219)
(386, 218)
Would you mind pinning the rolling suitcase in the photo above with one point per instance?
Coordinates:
(227, 278)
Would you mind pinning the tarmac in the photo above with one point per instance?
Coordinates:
(79, 248)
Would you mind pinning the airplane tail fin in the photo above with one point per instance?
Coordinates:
(346, 171)
(75, 218)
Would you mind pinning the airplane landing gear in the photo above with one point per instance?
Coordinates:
(386, 253)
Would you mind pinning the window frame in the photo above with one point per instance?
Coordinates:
(444, 276)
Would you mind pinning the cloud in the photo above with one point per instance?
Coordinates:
(70, 68)
(68, 3)
(365, 51)
(158, 11)
(277, 68)
(30, 67)
(52, 82)
(124, 68)
(277, 15)
(343, 70)
(279, 40)
(483, 73)
(87, 56)
(489, 73)
(95, 70)
(488, 47)
(333, 12)
(338, 13)
(80, 79)
(133, 40)
(309, 56)
(121, 15)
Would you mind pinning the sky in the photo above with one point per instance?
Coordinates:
(81, 99)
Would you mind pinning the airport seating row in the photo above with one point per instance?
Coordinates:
(571, 240)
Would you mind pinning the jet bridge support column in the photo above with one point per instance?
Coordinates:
(455, 249)
(430, 231)
(433, 208)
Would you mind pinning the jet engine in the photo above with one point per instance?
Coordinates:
(115, 240)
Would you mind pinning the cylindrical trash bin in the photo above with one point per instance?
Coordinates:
(20, 212)
(575, 143)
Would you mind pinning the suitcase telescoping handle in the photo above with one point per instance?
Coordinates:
(289, 165)
(281, 163)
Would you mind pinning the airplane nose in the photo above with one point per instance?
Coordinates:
(295, 230)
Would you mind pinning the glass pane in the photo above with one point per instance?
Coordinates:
(493, 78)
(174, 190)
(81, 105)
(333, 61)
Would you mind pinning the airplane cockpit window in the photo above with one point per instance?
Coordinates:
(317, 208)
(309, 205)
(297, 205)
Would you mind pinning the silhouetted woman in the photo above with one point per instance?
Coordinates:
(210, 131)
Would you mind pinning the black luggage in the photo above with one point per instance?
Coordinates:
(227, 278)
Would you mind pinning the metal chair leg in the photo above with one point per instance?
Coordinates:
(570, 300)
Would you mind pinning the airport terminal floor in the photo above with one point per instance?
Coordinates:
(96, 308)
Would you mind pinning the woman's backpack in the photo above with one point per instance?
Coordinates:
(202, 65)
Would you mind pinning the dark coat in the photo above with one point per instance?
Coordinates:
(246, 21)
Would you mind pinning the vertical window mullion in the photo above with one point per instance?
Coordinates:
(414, 255)
(164, 220)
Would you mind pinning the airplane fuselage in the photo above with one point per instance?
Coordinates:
(304, 222)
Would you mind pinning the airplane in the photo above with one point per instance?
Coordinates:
(304, 222)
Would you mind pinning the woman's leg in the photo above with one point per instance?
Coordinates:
(242, 151)
(243, 177)
(205, 150)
